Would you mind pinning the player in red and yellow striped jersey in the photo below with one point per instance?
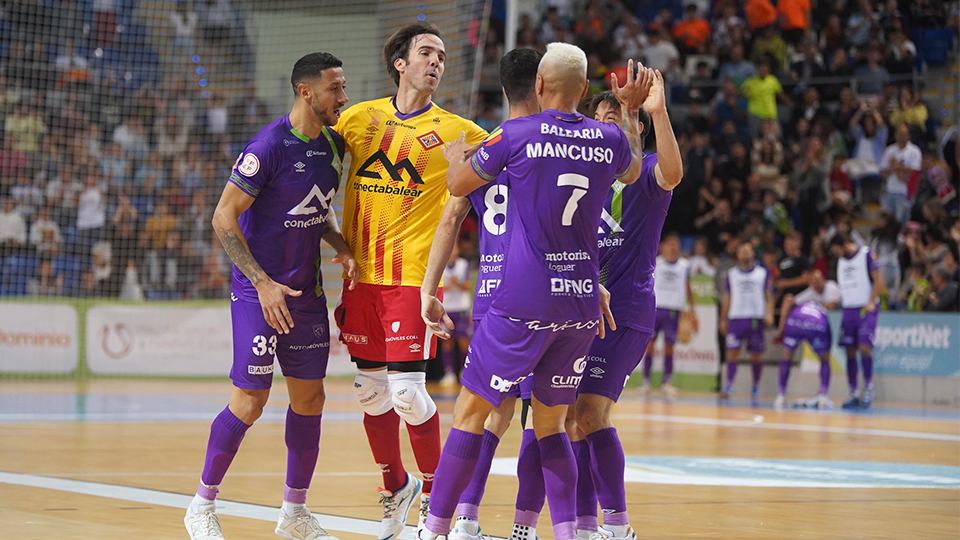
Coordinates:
(394, 195)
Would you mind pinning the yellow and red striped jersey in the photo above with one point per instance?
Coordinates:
(397, 186)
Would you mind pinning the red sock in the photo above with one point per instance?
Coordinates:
(383, 434)
(425, 440)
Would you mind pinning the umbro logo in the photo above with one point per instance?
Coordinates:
(597, 370)
(300, 166)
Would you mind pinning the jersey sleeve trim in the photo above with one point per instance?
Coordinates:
(480, 172)
(238, 181)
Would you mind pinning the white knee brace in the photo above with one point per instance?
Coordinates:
(373, 392)
(408, 392)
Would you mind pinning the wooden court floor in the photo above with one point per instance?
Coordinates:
(118, 459)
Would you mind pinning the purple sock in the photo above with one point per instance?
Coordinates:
(458, 460)
(226, 432)
(852, 372)
(560, 481)
(731, 371)
(608, 468)
(667, 368)
(294, 495)
(647, 366)
(784, 375)
(470, 500)
(867, 361)
(586, 492)
(824, 376)
(757, 371)
(531, 492)
(303, 447)
(448, 360)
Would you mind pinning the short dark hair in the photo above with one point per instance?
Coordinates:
(311, 66)
(839, 240)
(518, 74)
(398, 46)
(643, 117)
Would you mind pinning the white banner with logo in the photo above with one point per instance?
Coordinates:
(159, 340)
(696, 350)
(38, 338)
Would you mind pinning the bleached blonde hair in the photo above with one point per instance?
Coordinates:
(569, 57)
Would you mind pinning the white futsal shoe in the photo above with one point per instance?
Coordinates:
(583, 534)
(466, 529)
(668, 390)
(302, 527)
(822, 402)
(395, 508)
(203, 525)
(778, 403)
(424, 508)
(608, 534)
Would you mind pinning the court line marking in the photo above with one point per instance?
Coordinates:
(789, 427)
(188, 474)
(180, 501)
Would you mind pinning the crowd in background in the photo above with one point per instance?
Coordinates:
(795, 118)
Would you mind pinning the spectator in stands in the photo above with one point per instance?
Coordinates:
(172, 135)
(72, 69)
(218, 118)
(870, 135)
(188, 168)
(702, 262)
(13, 228)
(794, 19)
(885, 244)
(911, 111)
(107, 278)
(718, 225)
(760, 14)
(553, 27)
(185, 22)
(25, 126)
(767, 154)
(914, 289)
(628, 39)
(158, 225)
(902, 53)
(132, 138)
(217, 22)
(932, 182)
(151, 177)
(944, 295)
(692, 32)
(841, 190)
(793, 269)
(124, 234)
(737, 67)
(871, 77)
(91, 214)
(661, 53)
(807, 68)
(860, 22)
(729, 105)
(899, 161)
(762, 92)
(165, 274)
(810, 182)
(13, 161)
(833, 38)
(840, 71)
(46, 282)
(27, 196)
(214, 281)
(809, 108)
(820, 290)
(771, 47)
(45, 234)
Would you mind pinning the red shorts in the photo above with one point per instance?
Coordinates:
(382, 323)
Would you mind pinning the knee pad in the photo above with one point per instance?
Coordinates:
(408, 391)
(373, 392)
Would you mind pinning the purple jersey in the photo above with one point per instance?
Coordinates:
(559, 169)
(629, 236)
(807, 321)
(292, 179)
(490, 203)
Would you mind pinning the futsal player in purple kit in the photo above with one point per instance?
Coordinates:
(746, 309)
(798, 322)
(674, 296)
(560, 166)
(272, 214)
(861, 283)
(628, 239)
(518, 76)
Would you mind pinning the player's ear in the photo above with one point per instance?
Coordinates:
(586, 88)
(400, 64)
(538, 88)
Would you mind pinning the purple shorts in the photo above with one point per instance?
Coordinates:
(817, 335)
(302, 354)
(505, 351)
(522, 391)
(745, 330)
(857, 327)
(461, 324)
(612, 360)
(667, 321)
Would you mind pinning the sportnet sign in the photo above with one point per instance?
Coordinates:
(159, 340)
(38, 338)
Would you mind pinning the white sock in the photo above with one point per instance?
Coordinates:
(522, 532)
(293, 509)
(469, 525)
(199, 505)
(619, 531)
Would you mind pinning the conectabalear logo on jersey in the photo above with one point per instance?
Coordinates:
(395, 171)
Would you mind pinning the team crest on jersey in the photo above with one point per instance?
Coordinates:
(430, 140)
(250, 165)
(319, 329)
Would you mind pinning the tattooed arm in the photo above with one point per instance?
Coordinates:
(234, 202)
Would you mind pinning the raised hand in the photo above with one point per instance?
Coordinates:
(458, 151)
(634, 91)
(656, 100)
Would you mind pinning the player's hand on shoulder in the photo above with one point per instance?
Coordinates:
(458, 151)
(432, 311)
(350, 266)
(272, 296)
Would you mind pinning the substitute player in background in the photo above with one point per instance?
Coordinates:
(518, 76)
(746, 309)
(674, 295)
(861, 283)
(271, 217)
(560, 166)
(804, 321)
(631, 223)
(393, 199)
